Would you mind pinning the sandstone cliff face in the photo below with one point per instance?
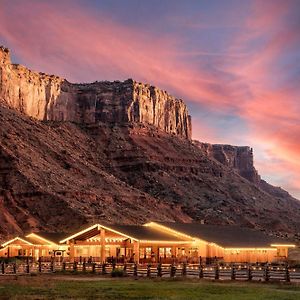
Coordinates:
(29, 92)
(239, 158)
(48, 97)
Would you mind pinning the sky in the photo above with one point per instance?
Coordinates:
(236, 63)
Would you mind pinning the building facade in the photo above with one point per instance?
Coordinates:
(152, 243)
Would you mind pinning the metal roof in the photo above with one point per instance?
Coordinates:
(226, 236)
(141, 232)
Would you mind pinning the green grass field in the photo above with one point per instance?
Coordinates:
(68, 287)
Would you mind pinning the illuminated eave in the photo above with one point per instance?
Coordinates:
(16, 239)
(92, 227)
(284, 245)
(246, 249)
(165, 228)
(40, 238)
(164, 242)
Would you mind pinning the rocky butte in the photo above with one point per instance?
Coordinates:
(112, 152)
(49, 97)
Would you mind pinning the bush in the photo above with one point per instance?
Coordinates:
(117, 273)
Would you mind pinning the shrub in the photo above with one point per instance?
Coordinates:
(117, 273)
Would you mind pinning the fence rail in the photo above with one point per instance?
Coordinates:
(213, 272)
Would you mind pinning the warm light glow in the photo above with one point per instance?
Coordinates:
(167, 229)
(78, 233)
(34, 235)
(16, 239)
(92, 227)
(165, 242)
(246, 249)
(288, 245)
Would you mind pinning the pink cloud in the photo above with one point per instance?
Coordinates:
(72, 39)
(77, 44)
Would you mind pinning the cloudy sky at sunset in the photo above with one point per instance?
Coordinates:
(236, 63)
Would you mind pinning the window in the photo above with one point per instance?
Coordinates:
(148, 252)
(142, 252)
(165, 252)
(145, 252)
(181, 252)
(161, 252)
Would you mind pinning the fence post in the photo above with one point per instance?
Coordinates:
(287, 273)
(217, 272)
(149, 270)
(135, 270)
(40, 265)
(52, 264)
(103, 268)
(94, 267)
(3, 268)
(27, 268)
(125, 267)
(75, 266)
(159, 270)
(15, 268)
(84, 266)
(249, 273)
(267, 273)
(113, 265)
(232, 273)
(173, 270)
(64, 266)
(201, 275)
(184, 269)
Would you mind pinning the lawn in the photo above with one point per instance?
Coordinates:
(66, 287)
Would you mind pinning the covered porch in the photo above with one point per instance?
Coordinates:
(127, 243)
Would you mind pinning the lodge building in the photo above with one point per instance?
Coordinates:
(152, 242)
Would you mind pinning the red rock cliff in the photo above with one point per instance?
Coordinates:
(49, 97)
(239, 158)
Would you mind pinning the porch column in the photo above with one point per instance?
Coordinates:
(102, 238)
(136, 250)
(174, 254)
(72, 251)
(156, 253)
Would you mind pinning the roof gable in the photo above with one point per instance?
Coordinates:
(17, 241)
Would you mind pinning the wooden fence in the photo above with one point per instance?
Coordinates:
(213, 272)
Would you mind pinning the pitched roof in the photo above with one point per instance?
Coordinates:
(226, 236)
(18, 240)
(53, 237)
(137, 232)
(141, 232)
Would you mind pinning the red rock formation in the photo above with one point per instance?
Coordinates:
(117, 161)
(239, 158)
(48, 97)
